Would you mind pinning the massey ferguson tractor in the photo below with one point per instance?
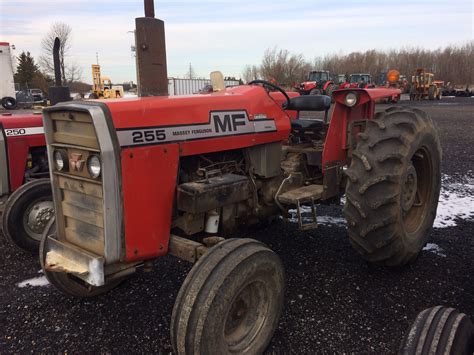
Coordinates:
(25, 188)
(136, 179)
(318, 82)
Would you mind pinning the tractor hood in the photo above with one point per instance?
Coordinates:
(194, 109)
(22, 124)
(249, 112)
(307, 85)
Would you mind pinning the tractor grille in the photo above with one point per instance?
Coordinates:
(79, 202)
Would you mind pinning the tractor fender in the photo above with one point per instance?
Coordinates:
(326, 84)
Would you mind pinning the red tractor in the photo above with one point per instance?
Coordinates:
(362, 81)
(135, 180)
(24, 180)
(318, 82)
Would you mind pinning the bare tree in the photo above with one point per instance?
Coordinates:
(452, 64)
(282, 66)
(251, 72)
(69, 71)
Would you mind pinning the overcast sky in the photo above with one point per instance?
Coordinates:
(226, 35)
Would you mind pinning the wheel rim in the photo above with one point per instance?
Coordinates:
(36, 217)
(246, 316)
(416, 191)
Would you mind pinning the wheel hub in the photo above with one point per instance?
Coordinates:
(36, 218)
(246, 316)
(409, 189)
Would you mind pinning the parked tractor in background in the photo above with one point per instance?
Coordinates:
(25, 188)
(423, 86)
(361, 81)
(340, 80)
(102, 87)
(318, 83)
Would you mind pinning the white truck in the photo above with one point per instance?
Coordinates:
(7, 86)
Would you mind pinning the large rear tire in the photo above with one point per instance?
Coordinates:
(67, 283)
(329, 91)
(439, 330)
(432, 92)
(393, 186)
(230, 302)
(27, 212)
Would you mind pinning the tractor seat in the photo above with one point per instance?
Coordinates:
(308, 129)
(309, 103)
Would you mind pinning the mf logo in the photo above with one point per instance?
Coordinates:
(228, 122)
(76, 162)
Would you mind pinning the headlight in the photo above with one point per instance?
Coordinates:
(60, 160)
(350, 100)
(93, 165)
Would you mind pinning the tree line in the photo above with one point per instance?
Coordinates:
(453, 64)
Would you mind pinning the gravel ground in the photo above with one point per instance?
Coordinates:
(335, 302)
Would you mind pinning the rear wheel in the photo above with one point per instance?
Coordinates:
(432, 92)
(329, 91)
(230, 302)
(27, 212)
(68, 283)
(439, 330)
(393, 186)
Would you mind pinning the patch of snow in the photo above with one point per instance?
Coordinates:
(456, 201)
(34, 282)
(307, 217)
(435, 249)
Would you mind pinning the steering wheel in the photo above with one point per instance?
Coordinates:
(273, 86)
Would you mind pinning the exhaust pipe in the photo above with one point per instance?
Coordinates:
(152, 73)
(58, 93)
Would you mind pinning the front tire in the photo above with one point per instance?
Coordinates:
(230, 302)
(68, 283)
(27, 212)
(439, 330)
(393, 186)
(315, 92)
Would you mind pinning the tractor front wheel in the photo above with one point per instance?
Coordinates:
(68, 283)
(27, 212)
(230, 302)
(393, 186)
(439, 330)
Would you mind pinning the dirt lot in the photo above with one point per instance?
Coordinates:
(335, 302)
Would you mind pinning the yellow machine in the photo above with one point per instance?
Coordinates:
(423, 86)
(102, 87)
